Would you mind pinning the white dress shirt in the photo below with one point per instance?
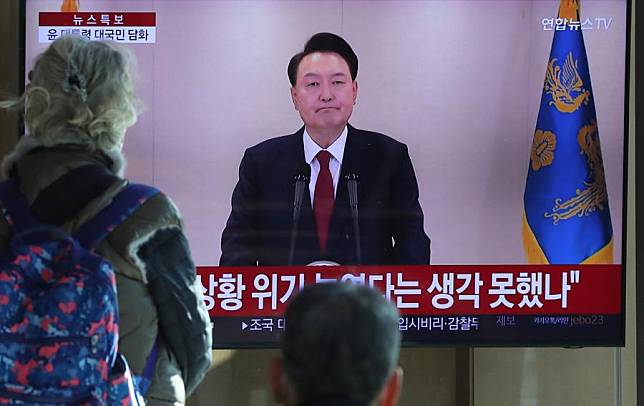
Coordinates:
(336, 150)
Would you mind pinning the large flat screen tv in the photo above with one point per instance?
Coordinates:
(513, 114)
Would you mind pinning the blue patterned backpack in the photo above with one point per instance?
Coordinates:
(59, 310)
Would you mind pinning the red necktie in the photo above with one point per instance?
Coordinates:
(323, 198)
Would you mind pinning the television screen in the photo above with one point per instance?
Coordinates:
(501, 105)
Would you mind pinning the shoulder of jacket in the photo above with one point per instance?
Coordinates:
(156, 214)
(377, 138)
(274, 144)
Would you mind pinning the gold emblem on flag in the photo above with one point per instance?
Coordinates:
(565, 86)
(594, 196)
(543, 149)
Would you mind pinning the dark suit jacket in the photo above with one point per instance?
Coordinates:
(259, 228)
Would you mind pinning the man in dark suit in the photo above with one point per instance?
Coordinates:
(291, 205)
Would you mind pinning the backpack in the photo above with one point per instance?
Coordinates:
(59, 310)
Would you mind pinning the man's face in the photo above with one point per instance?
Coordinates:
(324, 92)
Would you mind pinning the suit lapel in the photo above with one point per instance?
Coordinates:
(287, 161)
(307, 248)
(339, 248)
(353, 162)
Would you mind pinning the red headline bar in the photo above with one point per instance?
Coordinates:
(426, 290)
(97, 18)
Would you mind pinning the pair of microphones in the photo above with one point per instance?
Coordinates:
(302, 179)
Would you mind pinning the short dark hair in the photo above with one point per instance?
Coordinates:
(324, 42)
(341, 340)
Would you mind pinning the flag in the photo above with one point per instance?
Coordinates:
(566, 217)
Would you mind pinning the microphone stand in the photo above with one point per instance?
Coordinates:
(352, 187)
(301, 181)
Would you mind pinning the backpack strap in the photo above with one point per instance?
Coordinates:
(58, 202)
(144, 380)
(18, 214)
(133, 196)
(91, 234)
(64, 198)
(15, 207)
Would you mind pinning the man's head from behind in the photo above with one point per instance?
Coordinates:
(340, 347)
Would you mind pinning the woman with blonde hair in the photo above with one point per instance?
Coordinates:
(77, 107)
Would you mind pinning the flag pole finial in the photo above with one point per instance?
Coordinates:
(569, 9)
(69, 6)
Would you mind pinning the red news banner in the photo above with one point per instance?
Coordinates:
(428, 290)
(105, 18)
(125, 27)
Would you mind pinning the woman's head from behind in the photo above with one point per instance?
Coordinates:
(80, 92)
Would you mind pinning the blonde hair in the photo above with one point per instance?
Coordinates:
(80, 91)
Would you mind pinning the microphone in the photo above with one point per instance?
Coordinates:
(352, 187)
(301, 178)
